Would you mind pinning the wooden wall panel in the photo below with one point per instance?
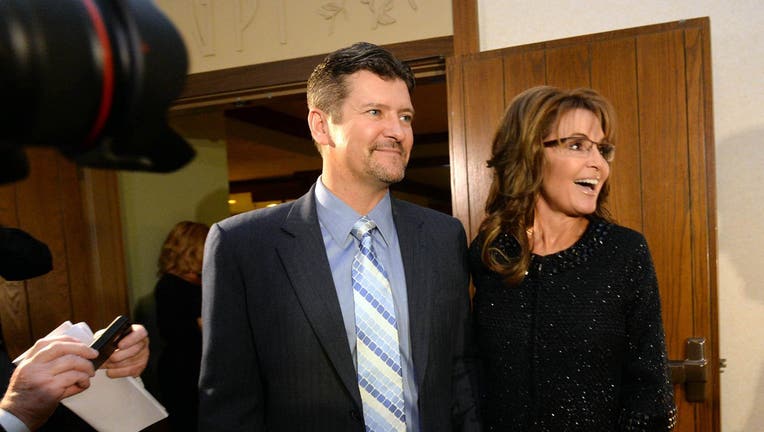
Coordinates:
(483, 106)
(100, 196)
(77, 216)
(8, 205)
(465, 20)
(15, 317)
(696, 149)
(40, 215)
(523, 70)
(613, 74)
(78, 246)
(665, 172)
(14, 314)
(702, 183)
(568, 67)
(460, 203)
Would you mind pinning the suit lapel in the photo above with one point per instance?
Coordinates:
(304, 256)
(415, 262)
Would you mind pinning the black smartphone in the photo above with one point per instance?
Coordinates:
(108, 340)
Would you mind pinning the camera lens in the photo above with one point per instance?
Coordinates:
(93, 78)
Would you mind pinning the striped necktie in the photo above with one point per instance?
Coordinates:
(380, 377)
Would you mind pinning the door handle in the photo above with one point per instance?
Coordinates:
(693, 371)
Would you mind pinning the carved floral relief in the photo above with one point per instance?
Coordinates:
(213, 39)
(380, 11)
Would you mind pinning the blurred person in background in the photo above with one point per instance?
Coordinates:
(178, 295)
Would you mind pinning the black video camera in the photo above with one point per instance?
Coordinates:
(92, 78)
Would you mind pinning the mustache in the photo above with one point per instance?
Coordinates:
(388, 145)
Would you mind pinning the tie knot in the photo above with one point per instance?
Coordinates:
(362, 227)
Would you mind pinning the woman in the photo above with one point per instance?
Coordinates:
(566, 306)
(178, 295)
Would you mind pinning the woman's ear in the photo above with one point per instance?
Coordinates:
(318, 122)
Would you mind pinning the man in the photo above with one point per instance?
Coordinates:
(286, 290)
(55, 367)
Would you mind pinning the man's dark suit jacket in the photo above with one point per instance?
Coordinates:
(276, 354)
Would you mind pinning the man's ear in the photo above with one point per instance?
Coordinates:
(318, 122)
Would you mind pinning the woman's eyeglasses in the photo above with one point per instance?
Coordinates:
(580, 145)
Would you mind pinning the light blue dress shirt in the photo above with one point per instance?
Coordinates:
(11, 423)
(336, 219)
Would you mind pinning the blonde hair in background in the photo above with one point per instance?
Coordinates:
(183, 249)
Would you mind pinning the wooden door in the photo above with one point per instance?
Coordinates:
(75, 212)
(662, 184)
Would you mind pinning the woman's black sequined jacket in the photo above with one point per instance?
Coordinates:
(579, 344)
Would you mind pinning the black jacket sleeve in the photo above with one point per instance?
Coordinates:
(22, 256)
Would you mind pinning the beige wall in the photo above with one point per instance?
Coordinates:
(226, 33)
(738, 92)
(152, 204)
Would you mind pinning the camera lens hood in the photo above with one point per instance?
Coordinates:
(93, 78)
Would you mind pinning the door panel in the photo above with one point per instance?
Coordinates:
(658, 79)
(665, 174)
(702, 180)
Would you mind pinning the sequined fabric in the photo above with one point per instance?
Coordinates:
(579, 344)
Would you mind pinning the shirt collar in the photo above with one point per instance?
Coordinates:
(338, 218)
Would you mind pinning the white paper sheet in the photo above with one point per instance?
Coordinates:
(109, 405)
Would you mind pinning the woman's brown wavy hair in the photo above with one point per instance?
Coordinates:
(183, 249)
(517, 159)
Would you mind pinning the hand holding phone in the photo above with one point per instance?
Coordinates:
(107, 342)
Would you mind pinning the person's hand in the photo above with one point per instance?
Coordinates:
(131, 356)
(55, 368)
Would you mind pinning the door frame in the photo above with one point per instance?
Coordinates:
(233, 87)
